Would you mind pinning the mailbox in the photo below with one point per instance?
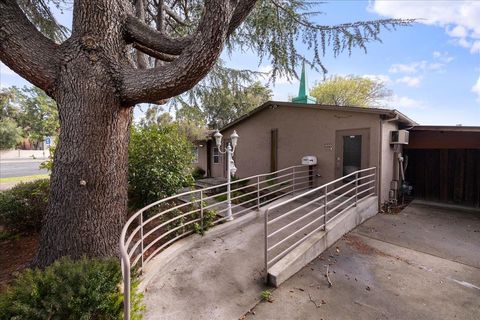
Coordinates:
(309, 160)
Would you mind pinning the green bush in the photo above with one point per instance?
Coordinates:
(84, 289)
(23, 207)
(160, 159)
(198, 173)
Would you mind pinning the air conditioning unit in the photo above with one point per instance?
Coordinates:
(310, 160)
(399, 137)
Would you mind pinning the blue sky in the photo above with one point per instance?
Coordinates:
(433, 67)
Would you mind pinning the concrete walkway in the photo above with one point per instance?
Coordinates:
(419, 264)
(217, 276)
(220, 276)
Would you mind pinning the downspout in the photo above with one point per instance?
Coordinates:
(379, 171)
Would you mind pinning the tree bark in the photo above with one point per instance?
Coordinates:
(88, 198)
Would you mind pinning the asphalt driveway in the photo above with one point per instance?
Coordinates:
(423, 263)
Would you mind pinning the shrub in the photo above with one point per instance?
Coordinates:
(198, 173)
(84, 289)
(160, 159)
(23, 207)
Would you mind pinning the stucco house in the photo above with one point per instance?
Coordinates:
(278, 134)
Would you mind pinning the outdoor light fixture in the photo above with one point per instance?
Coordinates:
(234, 139)
(231, 168)
(218, 138)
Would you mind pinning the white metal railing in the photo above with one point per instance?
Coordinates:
(291, 222)
(156, 226)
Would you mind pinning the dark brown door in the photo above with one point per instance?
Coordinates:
(352, 151)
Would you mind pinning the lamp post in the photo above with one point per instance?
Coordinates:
(231, 168)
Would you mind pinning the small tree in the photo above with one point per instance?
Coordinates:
(160, 163)
(351, 91)
(28, 112)
(10, 133)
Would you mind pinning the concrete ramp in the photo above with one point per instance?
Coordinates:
(319, 242)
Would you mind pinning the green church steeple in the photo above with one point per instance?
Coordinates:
(303, 96)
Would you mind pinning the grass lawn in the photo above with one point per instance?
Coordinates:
(24, 178)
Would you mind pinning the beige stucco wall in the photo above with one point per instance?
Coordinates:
(389, 164)
(306, 131)
(301, 131)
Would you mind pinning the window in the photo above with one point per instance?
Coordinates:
(216, 155)
(195, 154)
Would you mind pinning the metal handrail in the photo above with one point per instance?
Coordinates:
(142, 234)
(343, 197)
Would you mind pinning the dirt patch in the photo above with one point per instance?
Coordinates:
(360, 246)
(16, 255)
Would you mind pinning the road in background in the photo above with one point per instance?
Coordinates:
(21, 168)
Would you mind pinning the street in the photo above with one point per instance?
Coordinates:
(20, 168)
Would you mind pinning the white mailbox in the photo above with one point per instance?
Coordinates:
(310, 160)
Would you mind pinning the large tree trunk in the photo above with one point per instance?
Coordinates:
(88, 198)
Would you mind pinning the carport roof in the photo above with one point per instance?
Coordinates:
(447, 128)
(388, 113)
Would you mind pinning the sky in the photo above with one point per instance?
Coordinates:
(432, 67)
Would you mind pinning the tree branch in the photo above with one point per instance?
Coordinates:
(194, 62)
(155, 54)
(139, 32)
(24, 49)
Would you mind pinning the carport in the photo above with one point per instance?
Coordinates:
(444, 164)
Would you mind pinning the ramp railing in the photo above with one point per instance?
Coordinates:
(293, 221)
(155, 227)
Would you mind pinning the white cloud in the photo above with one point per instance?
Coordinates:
(476, 89)
(378, 77)
(6, 71)
(475, 48)
(439, 62)
(412, 67)
(267, 70)
(404, 102)
(460, 18)
(444, 57)
(410, 81)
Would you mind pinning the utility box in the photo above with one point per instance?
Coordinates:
(399, 137)
(310, 160)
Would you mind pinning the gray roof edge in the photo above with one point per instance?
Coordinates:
(381, 111)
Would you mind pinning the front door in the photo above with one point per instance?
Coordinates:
(351, 151)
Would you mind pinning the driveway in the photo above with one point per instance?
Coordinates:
(423, 263)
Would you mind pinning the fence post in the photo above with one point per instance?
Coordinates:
(325, 210)
(293, 182)
(126, 290)
(141, 236)
(266, 246)
(258, 192)
(356, 188)
(201, 210)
